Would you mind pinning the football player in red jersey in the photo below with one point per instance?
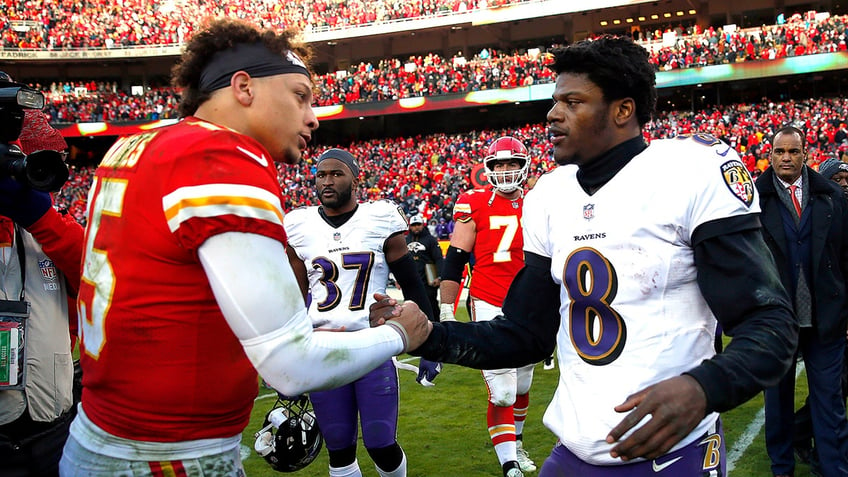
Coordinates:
(488, 224)
(186, 290)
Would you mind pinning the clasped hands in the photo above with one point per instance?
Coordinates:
(413, 321)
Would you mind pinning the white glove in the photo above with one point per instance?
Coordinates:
(446, 312)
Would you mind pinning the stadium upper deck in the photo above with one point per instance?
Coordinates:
(130, 32)
(421, 28)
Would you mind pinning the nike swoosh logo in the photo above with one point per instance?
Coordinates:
(724, 153)
(260, 159)
(661, 467)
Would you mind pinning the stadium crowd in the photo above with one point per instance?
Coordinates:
(433, 74)
(42, 24)
(99, 101)
(797, 37)
(425, 174)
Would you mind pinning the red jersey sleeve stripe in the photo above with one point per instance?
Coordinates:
(214, 200)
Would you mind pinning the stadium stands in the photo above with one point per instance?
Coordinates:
(433, 74)
(428, 173)
(41, 24)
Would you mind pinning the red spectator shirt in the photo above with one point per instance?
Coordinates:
(160, 362)
(498, 247)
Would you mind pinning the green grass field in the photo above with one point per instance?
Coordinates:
(442, 429)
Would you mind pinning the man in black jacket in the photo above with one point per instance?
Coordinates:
(427, 254)
(805, 225)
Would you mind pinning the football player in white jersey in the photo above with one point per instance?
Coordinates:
(342, 252)
(628, 265)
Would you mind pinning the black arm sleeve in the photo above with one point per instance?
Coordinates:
(739, 280)
(410, 283)
(525, 334)
(454, 264)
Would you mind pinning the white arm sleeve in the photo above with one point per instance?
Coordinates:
(258, 294)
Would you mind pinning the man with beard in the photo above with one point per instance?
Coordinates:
(627, 269)
(342, 252)
(837, 171)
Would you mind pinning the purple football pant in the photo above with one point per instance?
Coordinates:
(704, 457)
(372, 398)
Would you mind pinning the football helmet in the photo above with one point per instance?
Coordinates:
(297, 440)
(504, 148)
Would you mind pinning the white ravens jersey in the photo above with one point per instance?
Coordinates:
(345, 265)
(632, 313)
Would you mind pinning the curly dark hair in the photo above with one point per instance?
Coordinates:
(620, 67)
(221, 34)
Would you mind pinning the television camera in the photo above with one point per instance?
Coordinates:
(41, 170)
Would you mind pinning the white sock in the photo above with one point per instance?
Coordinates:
(506, 452)
(399, 472)
(351, 470)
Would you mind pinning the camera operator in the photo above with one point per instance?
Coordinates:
(40, 253)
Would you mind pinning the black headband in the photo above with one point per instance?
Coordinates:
(253, 58)
(343, 156)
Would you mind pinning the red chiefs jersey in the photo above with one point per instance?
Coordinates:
(498, 247)
(160, 362)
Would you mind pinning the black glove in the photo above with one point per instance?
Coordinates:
(22, 204)
(427, 372)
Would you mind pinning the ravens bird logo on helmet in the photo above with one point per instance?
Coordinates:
(289, 439)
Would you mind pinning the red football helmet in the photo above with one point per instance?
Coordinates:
(505, 148)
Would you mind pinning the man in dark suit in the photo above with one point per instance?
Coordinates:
(805, 225)
(837, 172)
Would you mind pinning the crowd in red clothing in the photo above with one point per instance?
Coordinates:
(432, 74)
(425, 174)
(390, 80)
(62, 24)
(91, 101)
(745, 127)
(797, 37)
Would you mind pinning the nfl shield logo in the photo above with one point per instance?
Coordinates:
(48, 270)
(589, 211)
(337, 236)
